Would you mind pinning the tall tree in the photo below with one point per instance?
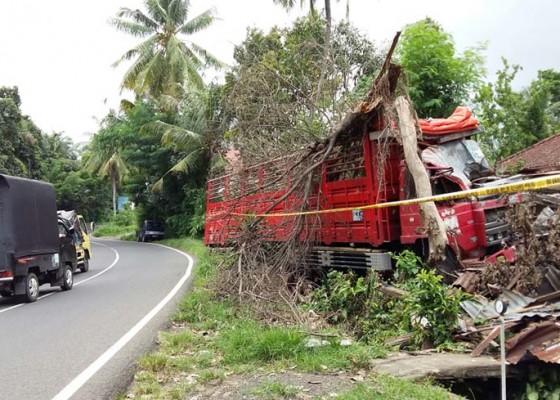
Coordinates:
(195, 132)
(165, 60)
(105, 159)
(272, 89)
(290, 4)
(514, 120)
(439, 79)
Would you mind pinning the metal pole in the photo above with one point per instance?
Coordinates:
(503, 357)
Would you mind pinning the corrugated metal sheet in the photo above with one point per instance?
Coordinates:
(483, 309)
(540, 339)
(467, 281)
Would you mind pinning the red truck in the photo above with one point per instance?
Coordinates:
(370, 169)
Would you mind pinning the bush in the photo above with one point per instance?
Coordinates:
(124, 217)
(432, 308)
(429, 310)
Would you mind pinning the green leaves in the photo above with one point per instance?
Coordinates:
(439, 79)
(164, 63)
(431, 308)
(514, 120)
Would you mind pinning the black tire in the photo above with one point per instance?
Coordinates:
(85, 266)
(31, 288)
(144, 239)
(67, 278)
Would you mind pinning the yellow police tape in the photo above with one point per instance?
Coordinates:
(523, 186)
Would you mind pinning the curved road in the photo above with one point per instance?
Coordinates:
(82, 344)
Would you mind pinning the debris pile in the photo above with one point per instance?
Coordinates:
(530, 287)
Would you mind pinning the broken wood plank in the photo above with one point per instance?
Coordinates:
(486, 342)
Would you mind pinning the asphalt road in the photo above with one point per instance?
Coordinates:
(82, 344)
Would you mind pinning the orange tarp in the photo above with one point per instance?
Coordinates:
(460, 121)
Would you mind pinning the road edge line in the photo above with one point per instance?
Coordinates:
(75, 385)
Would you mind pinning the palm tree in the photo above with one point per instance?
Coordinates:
(195, 132)
(105, 160)
(164, 61)
(290, 4)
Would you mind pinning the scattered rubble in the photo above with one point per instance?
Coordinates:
(530, 287)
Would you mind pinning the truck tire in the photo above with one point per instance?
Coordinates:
(31, 288)
(67, 278)
(85, 266)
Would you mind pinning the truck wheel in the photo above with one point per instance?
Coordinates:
(31, 288)
(85, 266)
(144, 239)
(67, 278)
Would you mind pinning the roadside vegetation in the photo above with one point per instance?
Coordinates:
(217, 343)
(122, 224)
(287, 89)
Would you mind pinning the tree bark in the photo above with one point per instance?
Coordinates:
(431, 219)
(114, 187)
(328, 15)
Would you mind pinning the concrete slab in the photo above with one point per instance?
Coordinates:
(447, 366)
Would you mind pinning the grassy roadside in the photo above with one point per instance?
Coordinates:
(215, 344)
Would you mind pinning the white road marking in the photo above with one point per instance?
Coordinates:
(93, 368)
(117, 256)
(75, 284)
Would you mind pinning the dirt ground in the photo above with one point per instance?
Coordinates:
(304, 386)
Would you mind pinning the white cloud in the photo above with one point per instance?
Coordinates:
(59, 52)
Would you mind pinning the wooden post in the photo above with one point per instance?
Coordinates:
(431, 219)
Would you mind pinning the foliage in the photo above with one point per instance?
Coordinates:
(105, 157)
(180, 201)
(20, 151)
(514, 120)
(78, 190)
(283, 94)
(164, 61)
(356, 301)
(428, 310)
(343, 295)
(439, 79)
(407, 265)
(542, 383)
(432, 309)
(214, 338)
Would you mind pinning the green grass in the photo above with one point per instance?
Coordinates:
(274, 390)
(388, 388)
(155, 362)
(215, 337)
(112, 229)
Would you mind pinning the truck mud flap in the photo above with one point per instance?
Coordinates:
(333, 257)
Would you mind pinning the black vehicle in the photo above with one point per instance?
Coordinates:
(35, 246)
(151, 230)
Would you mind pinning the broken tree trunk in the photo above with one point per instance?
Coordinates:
(431, 219)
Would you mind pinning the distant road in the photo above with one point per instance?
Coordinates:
(83, 344)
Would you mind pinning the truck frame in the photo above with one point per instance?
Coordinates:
(369, 169)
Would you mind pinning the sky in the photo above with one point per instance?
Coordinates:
(59, 53)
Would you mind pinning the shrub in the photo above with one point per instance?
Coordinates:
(431, 308)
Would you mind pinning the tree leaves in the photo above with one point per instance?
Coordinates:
(439, 79)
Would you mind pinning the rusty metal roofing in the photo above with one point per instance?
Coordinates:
(467, 281)
(540, 339)
(542, 156)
